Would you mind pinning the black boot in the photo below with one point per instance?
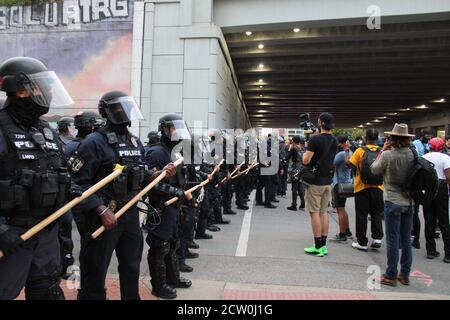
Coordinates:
(173, 270)
(229, 211)
(192, 245)
(201, 228)
(190, 255)
(185, 268)
(218, 216)
(212, 227)
(242, 206)
(293, 207)
(157, 268)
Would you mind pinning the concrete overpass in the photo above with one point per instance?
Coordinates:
(236, 63)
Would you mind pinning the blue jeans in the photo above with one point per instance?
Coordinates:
(398, 223)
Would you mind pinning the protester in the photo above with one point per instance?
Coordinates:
(436, 210)
(422, 147)
(320, 153)
(394, 163)
(368, 193)
(342, 175)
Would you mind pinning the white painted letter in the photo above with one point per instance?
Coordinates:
(119, 8)
(51, 14)
(86, 7)
(100, 6)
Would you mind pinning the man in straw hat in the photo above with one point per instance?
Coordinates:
(395, 162)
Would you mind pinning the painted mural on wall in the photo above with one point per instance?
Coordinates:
(88, 43)
(69, 13)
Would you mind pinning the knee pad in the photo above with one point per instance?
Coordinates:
(44, 288)
(159, 248)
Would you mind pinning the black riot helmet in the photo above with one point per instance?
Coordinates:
(43, 86)
(154, 137)
(86, 119)
(119, 108)
(65, 123)
(174, 128)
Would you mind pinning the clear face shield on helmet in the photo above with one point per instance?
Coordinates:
(46, 90)
(179, 130)
(123, 110)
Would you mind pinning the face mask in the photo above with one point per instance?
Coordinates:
(83, 132)
(168, 142)
(25, 110)
(120, 129)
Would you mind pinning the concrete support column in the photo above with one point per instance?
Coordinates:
(181, 65)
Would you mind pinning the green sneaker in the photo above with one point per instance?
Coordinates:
(311, 250)
(322, 252)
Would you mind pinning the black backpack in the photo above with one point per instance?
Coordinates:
(367, 177)
(422, 182)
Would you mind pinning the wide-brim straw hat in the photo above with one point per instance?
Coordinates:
(400, 130)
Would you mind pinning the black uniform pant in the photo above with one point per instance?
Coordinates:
(186, 233)
(436, 211)
(204, 211)
(298, 190)
(163, 241)
(215, 202)
(65, 237)
(35, 266)
(226, 190)
(369, 201)
(264, 182)
(126, 239)
(240, 189)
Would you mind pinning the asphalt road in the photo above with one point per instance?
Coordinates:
(273, 255)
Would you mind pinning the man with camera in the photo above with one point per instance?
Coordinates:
(319, 156)
(295, 152)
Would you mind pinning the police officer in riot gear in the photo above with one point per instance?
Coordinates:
(163, 238)
(154, 137)
(95, 158)
(204, 147)
(84, 123)
(66, 130)
(33, 183)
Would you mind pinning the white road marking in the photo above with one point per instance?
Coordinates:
(241, 250)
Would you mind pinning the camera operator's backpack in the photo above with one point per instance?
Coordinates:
(367, 177)
(422, 181)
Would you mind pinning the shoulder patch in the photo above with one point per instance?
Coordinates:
(75, 163)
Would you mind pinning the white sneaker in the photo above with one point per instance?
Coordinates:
(356, 245)
(376, 244)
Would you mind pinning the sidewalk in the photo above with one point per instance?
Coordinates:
(221, 290)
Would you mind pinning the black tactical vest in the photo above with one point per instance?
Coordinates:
(128, 153)
(32, 180)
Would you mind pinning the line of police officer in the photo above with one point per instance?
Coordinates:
(34, 182)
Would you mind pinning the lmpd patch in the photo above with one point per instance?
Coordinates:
(75, 163)
(48, 134)
(134, 142)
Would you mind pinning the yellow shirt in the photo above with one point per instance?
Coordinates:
(356, 161)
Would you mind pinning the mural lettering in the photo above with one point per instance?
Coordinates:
(65, 13)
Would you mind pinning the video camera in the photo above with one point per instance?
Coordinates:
(306, 124)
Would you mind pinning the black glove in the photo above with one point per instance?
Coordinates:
(74, 191)
(179, 193)
(10, 241)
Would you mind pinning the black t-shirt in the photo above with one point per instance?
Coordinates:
(319, 145)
